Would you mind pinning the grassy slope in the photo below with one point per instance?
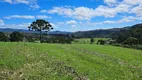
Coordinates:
(61, 62)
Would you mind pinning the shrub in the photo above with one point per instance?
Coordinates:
(3, 37)
(16, 37)
(101, 42)
(92, 40)
(131, 41)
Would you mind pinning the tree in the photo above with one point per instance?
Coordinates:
(16, 36)
(101, 42)
(3, 37)
(40, 26)
(131, 41)
(92, 40)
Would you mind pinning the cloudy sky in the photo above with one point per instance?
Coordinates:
(71, 15)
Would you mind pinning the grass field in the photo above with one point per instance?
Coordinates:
(35, 61)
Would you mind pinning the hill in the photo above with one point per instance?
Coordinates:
(96, 33)
(105, 33)
(134, 31)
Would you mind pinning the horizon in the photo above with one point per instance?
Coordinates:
(75, 31)
(71, 16)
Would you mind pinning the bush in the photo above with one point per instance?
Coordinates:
(101, 42)
(3, 37)
(131, 41)
(30, 39)
(16, 37)
(92, 40)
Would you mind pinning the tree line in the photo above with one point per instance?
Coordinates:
(34, 37)
(13, 37)
(130, 36)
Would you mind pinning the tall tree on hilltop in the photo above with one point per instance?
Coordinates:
(40, 25)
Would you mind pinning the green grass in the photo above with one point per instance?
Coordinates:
(35, 61)
(87, 40)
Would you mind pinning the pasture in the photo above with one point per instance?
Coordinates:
(35, 61)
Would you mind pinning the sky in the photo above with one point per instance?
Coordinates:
(71, 15)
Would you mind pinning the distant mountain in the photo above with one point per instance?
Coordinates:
(26, 31)
(12, 30)
(59, 32)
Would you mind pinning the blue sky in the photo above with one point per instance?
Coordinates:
(71, 15)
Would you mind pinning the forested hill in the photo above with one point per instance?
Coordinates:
(104, 32)
(135, 31)
(96, 33)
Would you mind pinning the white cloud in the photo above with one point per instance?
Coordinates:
(132, 18)
(65, 11)
(44, 11)
(105, 11)
(20, 16)
(27, 17)
(109, 22)
(88, 23)
(123, 20)
(80, 13)
(122, 8)
(110, 2)
(32, 3)
(71, 22)
(42, 17)
(16, 26)
(73, 26)
(137, 10)
(85, 13)
(9, 1)
(17, 1)
(132, 2)
(1, 22)
(35, 6)
(22, 1)
(20, 26)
